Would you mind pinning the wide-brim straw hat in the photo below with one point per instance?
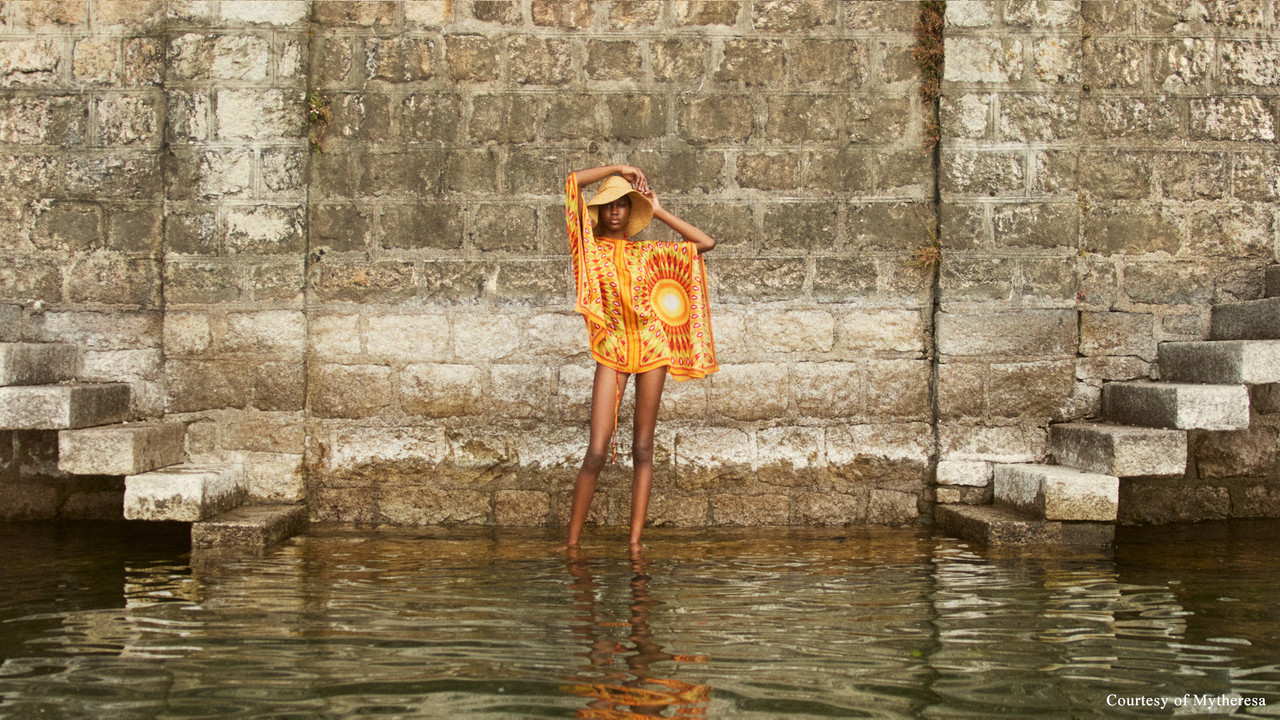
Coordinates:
(614, 187)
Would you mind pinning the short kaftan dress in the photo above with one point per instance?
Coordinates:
(645, 302)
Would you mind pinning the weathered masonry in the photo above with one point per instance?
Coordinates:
(325, 241)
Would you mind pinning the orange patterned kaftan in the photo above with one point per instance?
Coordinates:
(645, 302)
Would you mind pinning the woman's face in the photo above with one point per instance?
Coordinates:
(613, 217)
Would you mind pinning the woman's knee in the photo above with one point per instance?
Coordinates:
(594, 460)
(642, 452)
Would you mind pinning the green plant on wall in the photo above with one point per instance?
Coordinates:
(318, 117)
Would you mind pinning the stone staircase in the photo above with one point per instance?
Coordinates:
(1143, 433)
(97, 436)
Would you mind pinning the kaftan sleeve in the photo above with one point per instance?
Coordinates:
(588, 258)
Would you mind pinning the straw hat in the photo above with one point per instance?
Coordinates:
(614, 187)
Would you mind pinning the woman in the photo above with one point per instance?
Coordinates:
(645, 304)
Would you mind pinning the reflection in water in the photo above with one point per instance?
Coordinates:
(637, 691)
(799, 624)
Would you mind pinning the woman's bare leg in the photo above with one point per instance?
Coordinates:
(648, 398)
(603, 397)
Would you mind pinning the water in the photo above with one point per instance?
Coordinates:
(119, 621)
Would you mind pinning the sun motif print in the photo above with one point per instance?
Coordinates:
(645, 303)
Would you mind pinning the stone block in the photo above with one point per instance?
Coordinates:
(399, 59)
(195, 385)
(473, 58)
(1257, 501)
(1109, 117)
(121, 449)
(521, 508)
(968, 473)
(185, 493)
(1251, 362)
(1232, 118)
(58, 407)
(750, 391)
(1158, 504)
(750, 510)
(678, 510)
(831, 509)
(970, 13)
(504, 118)
(998, 526)
(1038, 117)
(505, 228)
(1273, 281)
(1245, 453)
(365, 282)
(829, 389)
(764, 279)
(259, 114)
(441, 390)
(448, 281)
(1161, 283)
(1250, 320)
(1119, 450)
(751, 62)
(716, 118)
(975, 279)
(350, 391)
(790, 456)
(279, 386)
(986, 173)
(713, 458)
(29, 501)
(270, 332)
(419, 505)
(1177, 405)
(1114, 333)
(898, 388)
(1042, 333)
(250, 526)
(1057, 493)
(1013, 443)
(679, 60)
(635, 117)
(521, 390)
(489, 338)
(533, 282)
(430, 118)
(543, 61)
(984, 60)
(38, 363)
(892, 507)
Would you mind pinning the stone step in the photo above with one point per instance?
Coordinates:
(1273, 281)
(121, 449)
(60, 407)
(1251, 362)
(1119, 450)
(1250, 320)
(38, 363)
(250, 526)
(997, 525)
(187, 493)
(1053, 492)
(1183, 406)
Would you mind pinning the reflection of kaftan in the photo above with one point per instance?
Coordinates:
(645, 303)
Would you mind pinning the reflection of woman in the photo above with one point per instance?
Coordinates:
(634, 693)
(645, 304)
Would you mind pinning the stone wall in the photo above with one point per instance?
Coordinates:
(371, 308)
(448, 377)
(81, 212)
(1109, 172)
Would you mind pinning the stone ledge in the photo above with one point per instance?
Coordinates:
(991, 525)
(1119, 450)
(186, 493)
(1250, 362)
(1057, 493)
(250, 526)
(38, 363)
(1251, 320)
(121, 449)
(1183, 406)
(62, 407)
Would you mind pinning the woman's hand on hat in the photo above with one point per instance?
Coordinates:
(652, 197)
(635, 176)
